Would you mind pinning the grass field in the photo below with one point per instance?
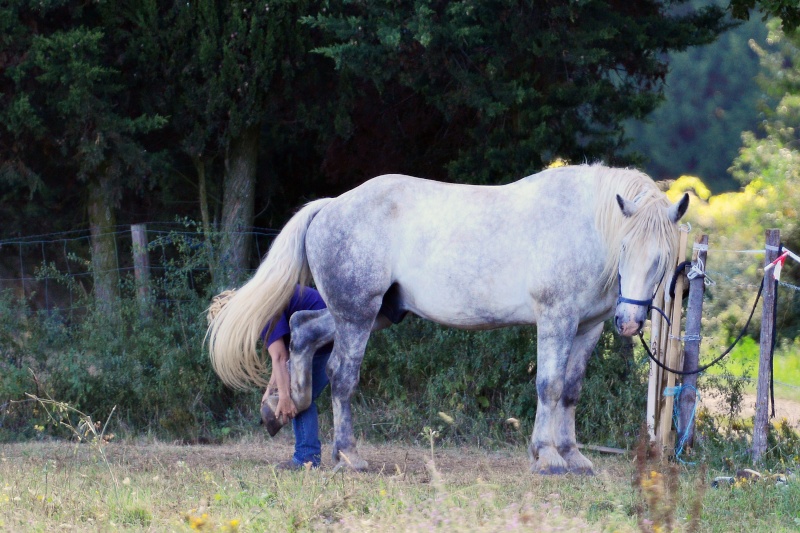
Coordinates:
(150, 486)
(743, 360)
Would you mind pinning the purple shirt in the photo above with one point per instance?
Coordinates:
(307, 299)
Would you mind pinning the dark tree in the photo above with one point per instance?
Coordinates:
(710, 97)
(236, 77)
(70, 116)
(525, 82)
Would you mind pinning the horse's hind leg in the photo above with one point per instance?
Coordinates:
(311, 330)
(343, 369)
(582, 348)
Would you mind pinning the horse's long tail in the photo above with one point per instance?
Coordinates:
(236, 329)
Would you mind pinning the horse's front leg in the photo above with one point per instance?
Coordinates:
(554, 339)
(343, 370)
(582, 348)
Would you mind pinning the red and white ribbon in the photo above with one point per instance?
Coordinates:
(778, 263)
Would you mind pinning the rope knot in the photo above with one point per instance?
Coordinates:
(698, 270)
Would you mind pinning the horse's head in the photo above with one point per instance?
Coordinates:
(646, 253)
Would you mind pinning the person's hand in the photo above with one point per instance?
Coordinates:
(286, 409)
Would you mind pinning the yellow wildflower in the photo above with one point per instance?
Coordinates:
(231, 526)
(558, 162)
(197, 522)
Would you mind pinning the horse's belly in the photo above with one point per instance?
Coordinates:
(468, 307)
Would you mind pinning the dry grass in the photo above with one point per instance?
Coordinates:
(160, 487)
(52, 486)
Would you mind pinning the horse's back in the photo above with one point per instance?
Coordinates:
(464, 255)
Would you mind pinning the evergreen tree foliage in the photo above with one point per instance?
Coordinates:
(787, 10)
(237, 80)
(710, 97)
(524, 82)
(69, 99)
(68, 117)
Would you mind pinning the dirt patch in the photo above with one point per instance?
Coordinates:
(407, 461)
(788, 409)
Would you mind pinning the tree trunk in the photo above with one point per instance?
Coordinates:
(102, 224)
(237, 206)
(200, 167)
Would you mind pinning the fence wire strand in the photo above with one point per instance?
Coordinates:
(69, 254)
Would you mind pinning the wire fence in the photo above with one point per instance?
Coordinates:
(38, 267)
(53, 271)
(48, 269)
(34, 265)
(741, 265)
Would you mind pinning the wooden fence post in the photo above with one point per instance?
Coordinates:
(691, 344)
(141, 267)
(673, 351)
(653, 397)
(773, 238)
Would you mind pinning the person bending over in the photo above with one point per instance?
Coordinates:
(307, 447)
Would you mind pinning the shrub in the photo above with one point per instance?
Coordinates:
(150, 365)
(417, 369)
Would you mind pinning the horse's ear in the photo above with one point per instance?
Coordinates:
(628, 208)
(678, 209)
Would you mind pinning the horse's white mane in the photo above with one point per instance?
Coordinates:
(650, 222)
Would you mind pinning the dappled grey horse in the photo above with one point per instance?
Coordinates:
(564, 249)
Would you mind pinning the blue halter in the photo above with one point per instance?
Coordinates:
(643, 303)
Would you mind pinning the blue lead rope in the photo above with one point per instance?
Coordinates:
(676, 410)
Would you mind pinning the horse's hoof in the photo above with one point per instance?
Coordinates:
(578, 464)
(549, 470)
(271, 422)
(352, 461)
(549, 462)
(582, 471)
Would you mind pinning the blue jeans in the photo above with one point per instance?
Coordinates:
(307, 447)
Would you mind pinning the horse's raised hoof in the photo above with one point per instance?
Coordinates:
(271, 422)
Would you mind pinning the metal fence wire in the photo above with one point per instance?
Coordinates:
(51, 270)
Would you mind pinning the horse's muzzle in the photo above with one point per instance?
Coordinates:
(630, 328)
(630, 315)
